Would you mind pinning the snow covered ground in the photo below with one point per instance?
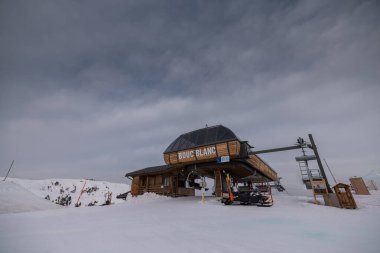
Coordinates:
(57, 190)
(152, 223)
(15, 198)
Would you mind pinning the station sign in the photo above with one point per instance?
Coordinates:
(224, 150)
(223, 159)
(199, 153)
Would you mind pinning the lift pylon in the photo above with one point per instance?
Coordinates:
(302, 144)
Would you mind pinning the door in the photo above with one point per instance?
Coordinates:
(175, 184)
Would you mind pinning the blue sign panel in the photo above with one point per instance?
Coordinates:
(223, 159)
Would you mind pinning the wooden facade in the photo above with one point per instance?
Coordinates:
(262, 167)
(203, 154)
(208, 152)
(171, 183)
(344, 195)
(359, 186)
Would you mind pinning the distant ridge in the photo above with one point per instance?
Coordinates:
(373, 175)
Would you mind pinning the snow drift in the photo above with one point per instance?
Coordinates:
(14, 198)
(153, 223)
(49, 193)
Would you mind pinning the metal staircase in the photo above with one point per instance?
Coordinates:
(312, 178)
(307, 173)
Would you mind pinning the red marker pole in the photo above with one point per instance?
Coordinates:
(81, 192)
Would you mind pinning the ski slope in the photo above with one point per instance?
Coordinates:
(54, 189)
(152, 223)
(14, 198)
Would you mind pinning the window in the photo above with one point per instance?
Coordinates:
(166, 181)
(181, 183)
(143, 181)
(159, 180)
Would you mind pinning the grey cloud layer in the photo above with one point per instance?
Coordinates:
(95, 89)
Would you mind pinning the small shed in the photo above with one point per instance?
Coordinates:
(344, 195)
(359, 186)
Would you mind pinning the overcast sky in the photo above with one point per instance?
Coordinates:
(95, 89)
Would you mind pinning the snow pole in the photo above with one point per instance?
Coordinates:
(9, 170)
(203, 190)
(80, 194)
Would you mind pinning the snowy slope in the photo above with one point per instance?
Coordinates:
(14, 198)
(55, 189)
(373, 175)
(151, 223)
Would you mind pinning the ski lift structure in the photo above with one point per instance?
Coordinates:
(217, 153)
(196, 155)
(314, 179)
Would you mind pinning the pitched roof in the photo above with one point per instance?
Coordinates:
(149, 170)
(201, 137)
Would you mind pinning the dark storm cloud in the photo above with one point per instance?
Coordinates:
(95, 89)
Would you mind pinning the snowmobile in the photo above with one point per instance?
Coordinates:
(248, 194)
(124, 195)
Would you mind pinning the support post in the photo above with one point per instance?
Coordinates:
(314, 148)
(274, 150)
(9, 170)
(218, 183)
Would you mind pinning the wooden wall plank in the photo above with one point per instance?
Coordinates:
(173, 158)
(135, 186)
(218, 184)
(222, 149)
(158, 180)
(359, 186)
(234, 148)
(166, 158)
(258, 164)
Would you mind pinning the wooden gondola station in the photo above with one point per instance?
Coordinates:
(208, 152)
